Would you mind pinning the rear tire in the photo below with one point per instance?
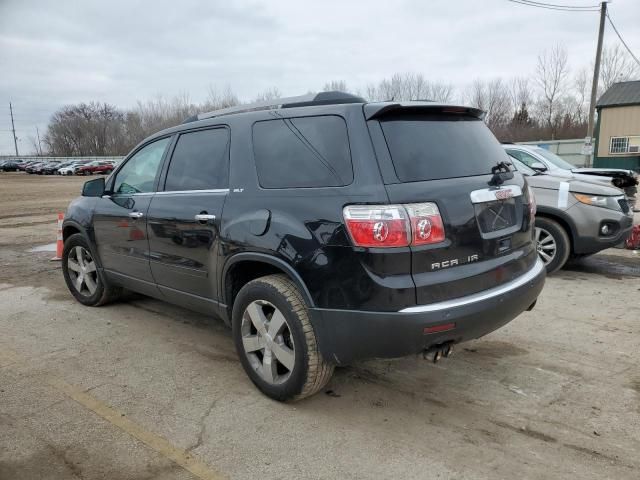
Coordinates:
(552, 243)
(84, 279)
(275, 340)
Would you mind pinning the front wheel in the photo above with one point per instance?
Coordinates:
(275, 340)
(552, 243)
(82, 276)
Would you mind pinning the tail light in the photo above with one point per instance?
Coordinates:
(426, 223)
(532, 202)
(377, 225)
(394, 225)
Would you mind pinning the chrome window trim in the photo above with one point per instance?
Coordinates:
(479, 297)
(121, 194)
(183, 192)
(489, 194)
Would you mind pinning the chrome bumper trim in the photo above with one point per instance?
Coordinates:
(480, 296)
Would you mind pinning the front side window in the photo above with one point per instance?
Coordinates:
(200, 161)
(139, 173)
(553, 158)
(525, 158)
(302, 152)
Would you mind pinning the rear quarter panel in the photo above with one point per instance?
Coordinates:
(305, 225)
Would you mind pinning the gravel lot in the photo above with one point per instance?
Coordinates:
(142, 389)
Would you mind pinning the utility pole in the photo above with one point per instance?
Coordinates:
(594, 85)
(13, 128)
(39, 144)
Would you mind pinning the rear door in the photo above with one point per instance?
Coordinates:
(184, 217)
(447, 159)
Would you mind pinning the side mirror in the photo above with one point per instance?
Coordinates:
(538, 166)
(93, 188)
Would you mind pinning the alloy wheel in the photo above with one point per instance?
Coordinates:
(267, 342)
(545, 245)
(82, 271)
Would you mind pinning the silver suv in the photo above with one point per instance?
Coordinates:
(575, 218)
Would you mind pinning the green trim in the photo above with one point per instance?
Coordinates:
(629, 163)
(596, 140)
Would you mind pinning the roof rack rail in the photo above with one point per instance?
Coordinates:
(322, 98)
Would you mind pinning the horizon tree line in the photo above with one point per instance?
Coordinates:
(550, 103)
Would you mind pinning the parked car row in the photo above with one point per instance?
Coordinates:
(76, 167)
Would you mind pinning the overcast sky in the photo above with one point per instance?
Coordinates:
(54, 53)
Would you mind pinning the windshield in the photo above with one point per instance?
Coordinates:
(555, 159)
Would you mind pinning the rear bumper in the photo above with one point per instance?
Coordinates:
(348, 335)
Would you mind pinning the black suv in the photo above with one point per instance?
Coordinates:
(322, 229)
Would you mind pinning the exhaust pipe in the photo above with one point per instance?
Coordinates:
(435, 353)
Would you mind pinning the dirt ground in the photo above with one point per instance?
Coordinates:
(145, 390)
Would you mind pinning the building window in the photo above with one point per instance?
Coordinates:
(619, 145)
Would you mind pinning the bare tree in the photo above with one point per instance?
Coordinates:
(217, 99)
(580, 95)
(335, 85)
(520, 91)
(552, 72)
(409, 86)
(85, 129)
(616, 66)
(494, 98)
(269, 94)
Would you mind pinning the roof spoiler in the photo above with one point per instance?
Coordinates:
(377, 110)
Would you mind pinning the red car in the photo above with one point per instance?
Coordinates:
(104, 168)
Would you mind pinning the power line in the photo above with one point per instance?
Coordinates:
(573, 7)
(621, 39)
(551, 6)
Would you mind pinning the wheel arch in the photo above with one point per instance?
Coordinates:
(241, 268)
(563, 219)
(71, 227)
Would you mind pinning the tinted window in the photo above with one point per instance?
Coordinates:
(199, 161)
(302, 152)
(139, 173)
(429, 147)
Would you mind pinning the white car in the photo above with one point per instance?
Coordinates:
(543, 160)
(69, 169)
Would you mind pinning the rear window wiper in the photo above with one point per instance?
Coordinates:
(501, 172)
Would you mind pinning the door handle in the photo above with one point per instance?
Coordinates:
(204, 217)
(136, 214)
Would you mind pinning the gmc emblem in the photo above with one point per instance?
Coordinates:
(503, 194)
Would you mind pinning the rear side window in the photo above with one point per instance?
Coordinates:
(199, 161)
(302, 152)
(435, 146)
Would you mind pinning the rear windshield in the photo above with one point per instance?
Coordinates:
(435, 146)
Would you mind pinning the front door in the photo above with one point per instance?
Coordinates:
(184, 218)
(120, 216)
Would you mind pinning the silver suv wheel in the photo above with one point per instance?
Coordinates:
(82, 271)
(545, 245)
(267, 342)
